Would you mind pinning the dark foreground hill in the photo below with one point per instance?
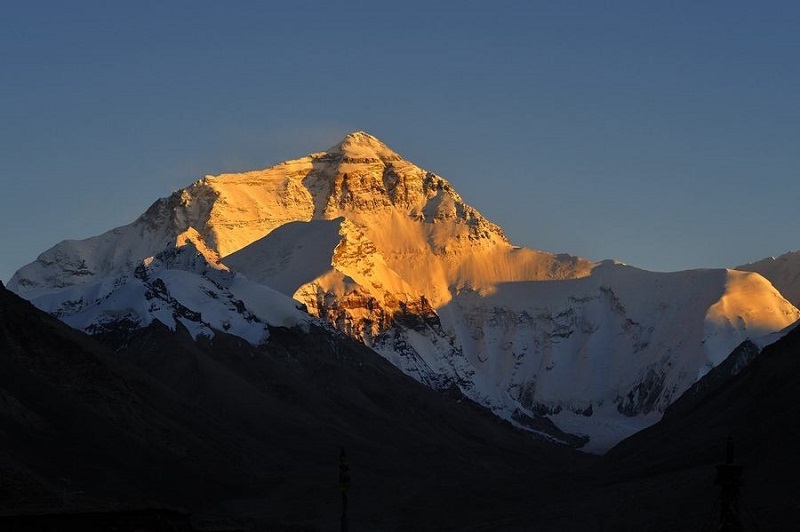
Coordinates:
(237, 435)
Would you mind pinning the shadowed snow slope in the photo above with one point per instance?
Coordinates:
(390, 254)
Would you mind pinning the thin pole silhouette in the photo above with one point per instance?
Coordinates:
(728, 479)
(344, 484)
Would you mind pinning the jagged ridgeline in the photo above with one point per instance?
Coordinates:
(389, 254)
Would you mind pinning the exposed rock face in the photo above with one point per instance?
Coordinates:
(389, 254)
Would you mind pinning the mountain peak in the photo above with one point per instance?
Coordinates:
(360, 146)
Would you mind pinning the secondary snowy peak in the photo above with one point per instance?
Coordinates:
(179, 288)
(783, 272)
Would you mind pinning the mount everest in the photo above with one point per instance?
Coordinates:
(389, 254)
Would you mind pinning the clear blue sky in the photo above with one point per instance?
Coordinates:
(663, 134)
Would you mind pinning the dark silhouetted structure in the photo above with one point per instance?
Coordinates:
(728, 479)
(344, 484)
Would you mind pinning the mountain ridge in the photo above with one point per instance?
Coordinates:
(391, 255)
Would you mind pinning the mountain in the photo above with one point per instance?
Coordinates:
(390, 254)
(783, 272)
(247, 437)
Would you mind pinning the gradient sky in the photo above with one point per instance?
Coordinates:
(663, 134)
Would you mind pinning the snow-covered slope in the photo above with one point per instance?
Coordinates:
(606, 354)
(390, 254)
(177, 286)
(783, 272)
